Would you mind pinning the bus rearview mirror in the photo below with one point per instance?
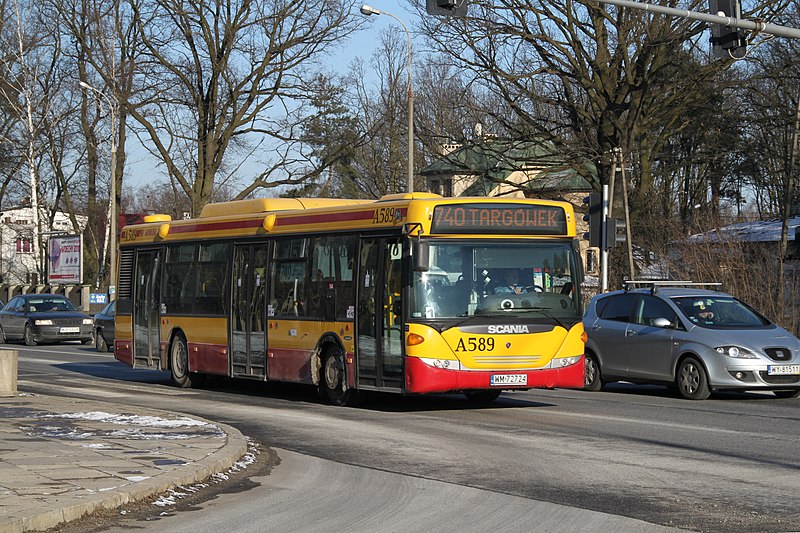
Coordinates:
(420, 256)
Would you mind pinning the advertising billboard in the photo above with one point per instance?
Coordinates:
(65, 260)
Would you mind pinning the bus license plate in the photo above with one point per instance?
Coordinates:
(783, 370)
(69, 330)
(509, 379)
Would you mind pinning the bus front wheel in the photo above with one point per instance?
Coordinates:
(482, 395)
(334, 379)
(179, 362)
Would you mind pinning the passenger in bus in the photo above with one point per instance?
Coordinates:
(510, 284)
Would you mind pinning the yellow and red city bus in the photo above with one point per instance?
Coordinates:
(404, 294)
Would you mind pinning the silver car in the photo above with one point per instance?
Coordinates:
(694, 339)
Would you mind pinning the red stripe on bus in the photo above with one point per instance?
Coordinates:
(329, 217)
(217, 226)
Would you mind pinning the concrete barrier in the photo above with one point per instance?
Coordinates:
(9, 362)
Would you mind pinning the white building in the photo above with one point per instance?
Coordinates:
(18, 246)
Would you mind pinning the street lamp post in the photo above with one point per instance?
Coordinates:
(369, 10)
(112, 203)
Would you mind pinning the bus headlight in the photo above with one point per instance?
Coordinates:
(444, 364)
(566, 361)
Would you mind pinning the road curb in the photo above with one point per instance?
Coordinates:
(216, 462)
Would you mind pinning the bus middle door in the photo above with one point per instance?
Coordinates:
(379, 320)
(248, 334)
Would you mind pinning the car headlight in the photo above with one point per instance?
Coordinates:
(737, 352)
(88, 321)
(43, 322)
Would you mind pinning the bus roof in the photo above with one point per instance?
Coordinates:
(419, 213)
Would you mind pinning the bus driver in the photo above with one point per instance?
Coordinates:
(511, 284)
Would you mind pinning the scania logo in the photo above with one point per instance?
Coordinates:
(508, 329)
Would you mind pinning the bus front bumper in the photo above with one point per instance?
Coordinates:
(423, 378)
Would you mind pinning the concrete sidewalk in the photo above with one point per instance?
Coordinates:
(62, 458)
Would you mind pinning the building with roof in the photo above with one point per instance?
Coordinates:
(499, 167)
(758, 232)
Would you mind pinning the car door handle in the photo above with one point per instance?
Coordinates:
(630, 333)
(596, 328)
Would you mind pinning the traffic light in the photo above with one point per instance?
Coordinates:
(615, 232)
(724, 40)
(595, 218)
(453, 8)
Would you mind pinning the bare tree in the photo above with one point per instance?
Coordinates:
(31, 90)
(217, 76)
(588, 76)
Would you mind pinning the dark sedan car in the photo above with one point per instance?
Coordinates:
(104, 328)
(36, 318)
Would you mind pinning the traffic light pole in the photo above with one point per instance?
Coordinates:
(603, 246)
(728, 22)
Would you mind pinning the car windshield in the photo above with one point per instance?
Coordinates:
(45, 305)
(474, 278)
(720, 312)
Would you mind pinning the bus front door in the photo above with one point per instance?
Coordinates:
(147, 310)
(379, 323)
(248, 334)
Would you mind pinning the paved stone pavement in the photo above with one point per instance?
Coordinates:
(62, 458)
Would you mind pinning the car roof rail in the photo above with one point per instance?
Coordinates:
(654, 284)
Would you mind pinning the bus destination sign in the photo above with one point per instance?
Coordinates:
(499, 218)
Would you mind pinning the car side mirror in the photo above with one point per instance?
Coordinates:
(662, 323)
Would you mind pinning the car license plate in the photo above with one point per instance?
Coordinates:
(69, 330)
(783, 370)
(509, 379)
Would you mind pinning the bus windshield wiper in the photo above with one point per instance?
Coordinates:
(543, 310)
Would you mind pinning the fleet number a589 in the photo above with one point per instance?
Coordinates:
(475, 344)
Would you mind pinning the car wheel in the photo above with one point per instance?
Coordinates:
(692, 380)
(482, 395)
(334, 379)
(179, 362)
(3, 339)
(593, 379)
(30, 340)
(787, 393)
(100, 342)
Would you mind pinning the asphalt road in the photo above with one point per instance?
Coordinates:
(725, 464)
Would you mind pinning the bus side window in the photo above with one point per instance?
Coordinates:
(333, 261)
(289, 278)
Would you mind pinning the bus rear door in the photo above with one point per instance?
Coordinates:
(379, 323)
(147, 309)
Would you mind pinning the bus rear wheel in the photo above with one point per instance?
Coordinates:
(334, 379)
(179, 362)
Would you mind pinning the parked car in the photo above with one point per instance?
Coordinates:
(694, 339)
(36, 318)
(104, 328)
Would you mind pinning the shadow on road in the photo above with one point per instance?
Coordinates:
(374, 401)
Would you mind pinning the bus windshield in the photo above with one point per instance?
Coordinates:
(472, 278)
